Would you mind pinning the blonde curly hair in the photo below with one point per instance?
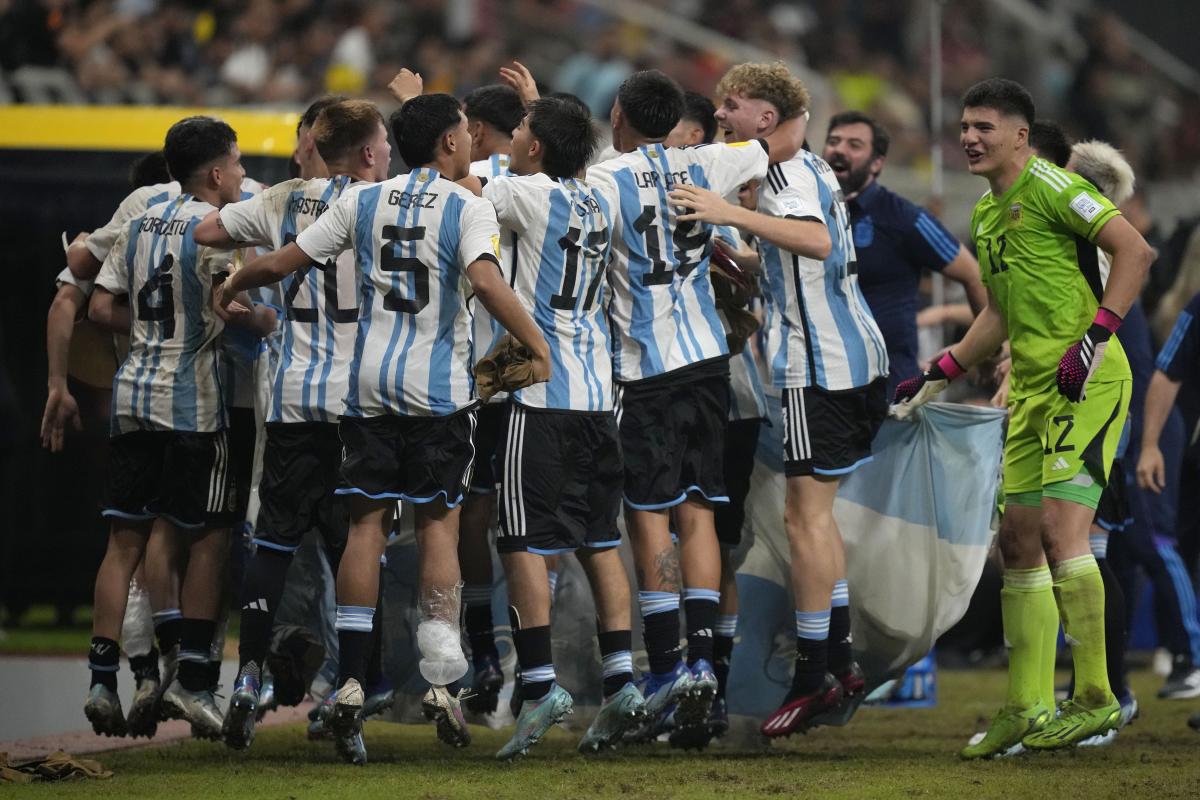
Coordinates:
(771, 82)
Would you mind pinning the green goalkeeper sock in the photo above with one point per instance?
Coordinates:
(1079, 590)
(1048, 611)
(1023, 603)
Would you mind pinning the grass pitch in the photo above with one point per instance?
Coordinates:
(884, 753)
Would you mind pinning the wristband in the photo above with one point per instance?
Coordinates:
(949, 366)
(1107, 320)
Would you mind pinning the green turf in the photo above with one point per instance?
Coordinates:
(885, 753)
(40, 635)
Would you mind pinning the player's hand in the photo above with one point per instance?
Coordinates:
(61, 411)
(406, 85)
(225, 302)
(916, 391)
(520, 78)
(1000, 398)
(541, 367)
(1083, 358)
(1151, 469)
(702, 205)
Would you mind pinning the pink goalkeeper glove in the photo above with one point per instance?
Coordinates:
(920, 389)
(1083, 358)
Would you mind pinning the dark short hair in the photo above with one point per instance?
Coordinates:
(566, 133)
(344, 127)
(1008, 97)
(880, 138)
(652, 102)
(570, 98)
(309, 117)
(420, 122)
(195, 142)
(497, 106)
(700, 110)
(148, 170)
(1050, 140)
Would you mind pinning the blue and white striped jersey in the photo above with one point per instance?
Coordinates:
(413, 237)
(820, 331)
(170, 379)
(240, 347)
(746, 397)
(562, 254)
(320, 301)
(485, 330)
(662, 309)
(101, 240)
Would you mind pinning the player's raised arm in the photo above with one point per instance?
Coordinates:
(520, 78)
(211, 233)
(406, 85)
(802, 233)
(61, 408)
(263, 271)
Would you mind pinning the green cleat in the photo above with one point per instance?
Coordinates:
(622, 712)
(537, 718)
(1008, 729)
(1073, 724)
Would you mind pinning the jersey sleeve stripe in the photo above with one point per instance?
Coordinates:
(938, 240)
(1171, 348)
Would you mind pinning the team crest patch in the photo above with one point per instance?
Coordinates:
(864, 232)
(1014, 214)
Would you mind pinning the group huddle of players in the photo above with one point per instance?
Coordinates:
(519, 332)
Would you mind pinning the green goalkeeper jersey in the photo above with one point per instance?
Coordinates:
(1037, 254)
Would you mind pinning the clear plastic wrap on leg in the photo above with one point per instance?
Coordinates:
(438, 636)
(137, 628)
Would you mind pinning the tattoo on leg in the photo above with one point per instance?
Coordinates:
(666, 564)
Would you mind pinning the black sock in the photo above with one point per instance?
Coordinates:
(195, 640)
(168, 624)
(104, 659)
(262, 589)
(661, 634)
(701, 613)
(537, 662)
(840, 654)
(480, 633)
(812, 662)
(616, 655)
(1115, 634)
(722, 655)
(374, 672)
(145, 666)
(353, 649)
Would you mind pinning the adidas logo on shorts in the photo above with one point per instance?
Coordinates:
(1060, 464)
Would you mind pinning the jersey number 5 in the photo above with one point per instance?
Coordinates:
(161, 281)
(391, 261)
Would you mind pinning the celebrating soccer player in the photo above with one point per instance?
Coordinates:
(1034, 232)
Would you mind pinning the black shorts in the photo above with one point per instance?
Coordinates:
(560, 481)
(741, 442)
(301, 465)
(1114, 513)
(242, 432)
(418, 459)
(488, 428)
(673, 436)
(830, 433)
(181, 476)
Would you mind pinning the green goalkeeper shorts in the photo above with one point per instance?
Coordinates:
(1056, 448)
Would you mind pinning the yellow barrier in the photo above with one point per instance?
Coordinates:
(138, 129)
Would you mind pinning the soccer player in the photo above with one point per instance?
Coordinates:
(1035, 230)
(168, 454)
(409, 418)
(826, 355)
(303, 451)
(747, 411)
(493, 113)
(560, 467)
(670, 361)
(895, 240)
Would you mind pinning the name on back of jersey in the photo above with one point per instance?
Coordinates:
(403, 199)
(307, 206)
(651, 180)
(164, 227)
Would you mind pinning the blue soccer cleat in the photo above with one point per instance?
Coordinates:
(537, 717)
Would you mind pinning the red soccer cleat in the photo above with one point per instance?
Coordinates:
(796, 713)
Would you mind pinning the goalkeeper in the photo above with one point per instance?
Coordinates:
(1034, 233)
